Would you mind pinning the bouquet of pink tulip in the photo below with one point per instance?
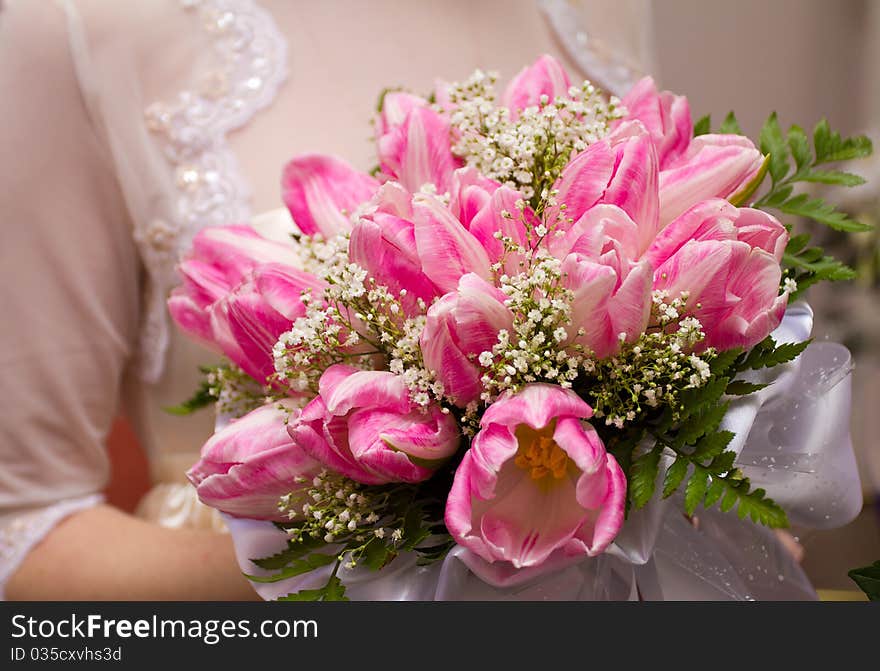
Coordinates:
(535, 308)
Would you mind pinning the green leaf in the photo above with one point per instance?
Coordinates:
(674, 475)
(723, 462)
(703, 422)
(695, 491)
(796, 243)
(643, 476)
(868, 580)
(730, 126)
(297, 567)
(377, 553)
(703, 126)
(761, 510)
(722, 361)
(294, 550)
(830, 147)
(777, 196)
(773, 144)
(695, 400)
(414, 531)
(800, 147)
(334, 590)
(837, 177)
(730, 498)
(433, 553)
(716, 489)
(767, 358)
(741, 388)
(825, 213)
(712, 445)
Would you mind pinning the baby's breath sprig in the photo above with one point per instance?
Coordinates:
(229, 389)
(362, 525)
(535, 350)
(529, 152)
(237, 393)
(654, 370)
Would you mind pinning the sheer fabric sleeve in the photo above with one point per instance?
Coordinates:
(69, 289)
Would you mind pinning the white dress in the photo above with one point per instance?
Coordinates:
(130, 126)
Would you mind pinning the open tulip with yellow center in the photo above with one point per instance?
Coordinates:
(536, 481)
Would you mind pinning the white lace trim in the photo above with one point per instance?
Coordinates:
(251, 65)
(22, 533)
(596, 58)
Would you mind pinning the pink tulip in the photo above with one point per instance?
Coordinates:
(620, 170)
(418, 151)
(666, 116)
(546, 77)
(500, 214)
(248, 465)
(395, 107)
(470, 193)
(733, 290)
(713, 166)
(446, 249)
(459, 327)
(383, 243)
(321, 192)
(692, 169)
(611, 301)
(537, 480)
(220, 258)
(364, 426)
(717, 219)
(598, 231)
(247, 322)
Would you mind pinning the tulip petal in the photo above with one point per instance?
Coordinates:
(325, 438)
(707, 220)
(446, 249)
(321, 192)
(761, 230)
(248, 465)
(490, 220)
(604, 525)
(499, 510)
(368, 388)
(634, 186)
(599, 229)
(714, 166)
(282, 288)
(535, 405)
(418, 152)
(395, 106)
(582, 182)
(190, 317)
(236, 250)
(385, 246)
(524, 524)
(545, 77)
(666, 116)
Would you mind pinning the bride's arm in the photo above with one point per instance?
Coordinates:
(104, 554)
(70, 283)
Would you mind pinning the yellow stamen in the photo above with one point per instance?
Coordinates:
(539, 454)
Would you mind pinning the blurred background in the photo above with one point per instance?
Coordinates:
(805, 59)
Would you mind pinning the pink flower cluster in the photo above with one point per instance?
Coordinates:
(646, 208)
